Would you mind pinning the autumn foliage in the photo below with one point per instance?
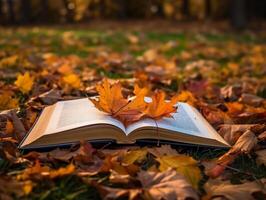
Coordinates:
(221, 74)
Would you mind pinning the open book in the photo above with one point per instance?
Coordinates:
(74, 120)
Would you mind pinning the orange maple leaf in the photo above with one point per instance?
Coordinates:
(133, 111)
(112, 101)
(159, 107)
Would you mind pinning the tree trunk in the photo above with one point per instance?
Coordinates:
(11, 14)
(70, 13)
(1, 7)
(44, 10)
(25, 11)
(208, 8)
(186, 8)
(238, 14)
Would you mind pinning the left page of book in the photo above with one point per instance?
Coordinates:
(67, 115)
(78, 113)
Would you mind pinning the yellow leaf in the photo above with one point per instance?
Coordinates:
(7, 102)
(9, 61)
(73, 80)
(46, 171)
(24, 82)
(62, 171)
(135, 155)
(36, 169)
(27, 187)
(183, 164)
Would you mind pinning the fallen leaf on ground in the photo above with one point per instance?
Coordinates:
(261, 157)
(37, 172)
(185, 165)
(10, 186)
(164, 150)
(24, 82)
(246, 142)
(135, 156)
(72, 80)
(62, 171)
(251, 99)
(168, 185)
(231, 132)
(226, 190)
(18, 127)
(109, 193)
(7, 101)
(50, 97)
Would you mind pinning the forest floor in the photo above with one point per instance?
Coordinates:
(219, 71)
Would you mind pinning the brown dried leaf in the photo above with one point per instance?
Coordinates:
(251, 99)
(261, 157)
(19, 129)
(225, 190)
(51, 96)
(231, 132)
(245, 143)
(116, 193)
(166, 185)
(231, 92)
(10, 186)
(119, 178)
(262, 136)
(164, 150)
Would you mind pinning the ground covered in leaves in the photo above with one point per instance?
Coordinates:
(221, 73)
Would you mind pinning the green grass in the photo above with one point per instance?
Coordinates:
(52, 40)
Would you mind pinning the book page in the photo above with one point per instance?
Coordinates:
(181, 121)
(77, 113)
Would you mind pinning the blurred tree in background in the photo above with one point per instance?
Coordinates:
(60, 11)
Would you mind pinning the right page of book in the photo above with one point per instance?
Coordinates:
(186, 120)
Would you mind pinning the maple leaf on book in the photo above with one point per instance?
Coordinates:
(112, 101)
(129, 110)
(159, 107)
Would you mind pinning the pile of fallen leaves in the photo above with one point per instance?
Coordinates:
(224, 80)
